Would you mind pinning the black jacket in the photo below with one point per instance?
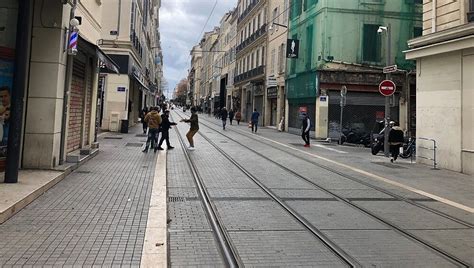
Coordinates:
(165, 123)
(231, 114)
(224, 115)
(396, 136)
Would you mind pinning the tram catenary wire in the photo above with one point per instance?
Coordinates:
(446, 255)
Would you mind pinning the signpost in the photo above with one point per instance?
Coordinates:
(387, 88)
(390, 69)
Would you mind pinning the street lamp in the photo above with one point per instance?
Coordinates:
(381, 30)
(274, 23)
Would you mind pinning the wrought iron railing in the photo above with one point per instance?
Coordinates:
(260, 70)
(247, 11)
(252, 38)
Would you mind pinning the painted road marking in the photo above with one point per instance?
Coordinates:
(155, 253)
(330, 149)
(380, 178)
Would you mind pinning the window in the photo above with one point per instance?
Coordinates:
(296, 9)
(272, 62)
(258, 20)
(417, 31)
(252, 56)
(257, 61)
(263, 55)
(254, 24)
(285, 12)
(470, 14)
(309, 46)
(371, 43)
(281, 57)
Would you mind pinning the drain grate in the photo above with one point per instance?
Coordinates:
(141, 135)
(176, 199)
(113, 137)
(83, 171)
(134, 144)
(389, 165)
(224, 142)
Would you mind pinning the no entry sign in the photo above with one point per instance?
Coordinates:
(387, 88)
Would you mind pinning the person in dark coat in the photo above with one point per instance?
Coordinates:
(254, 120)
(395, 140)
(224, 115)
(143, 113)
(231, 116)
(164, 128)
(238, 117)
(305, 129)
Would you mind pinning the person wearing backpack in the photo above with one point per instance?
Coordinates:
(305, 129)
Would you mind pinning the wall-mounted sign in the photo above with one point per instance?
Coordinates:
(323, 98)
(292, 48)
(272, 92)
(121, 89)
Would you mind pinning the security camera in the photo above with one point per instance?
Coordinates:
(380, 31)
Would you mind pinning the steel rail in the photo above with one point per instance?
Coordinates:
(344, 256)
(230, 255)
(449, 257)
(380, 189)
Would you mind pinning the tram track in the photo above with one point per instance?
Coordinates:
(446, 255)
(354, 179)
(333, 247)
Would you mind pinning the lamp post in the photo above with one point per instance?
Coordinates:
(381, 30)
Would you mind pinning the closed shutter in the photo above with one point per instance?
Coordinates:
(76, 108)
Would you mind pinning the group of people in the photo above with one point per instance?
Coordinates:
(156, 124)
(223, 114)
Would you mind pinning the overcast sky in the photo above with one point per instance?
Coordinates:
(181, 23)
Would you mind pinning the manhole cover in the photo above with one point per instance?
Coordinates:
(134, 144)
(141, 135)
(176, 199)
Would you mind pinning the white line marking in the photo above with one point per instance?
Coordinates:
(330, 149)
(155, 253)
(380, 178)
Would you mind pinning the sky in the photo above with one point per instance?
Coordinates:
(181, 25)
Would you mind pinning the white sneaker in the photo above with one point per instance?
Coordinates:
(191, 148)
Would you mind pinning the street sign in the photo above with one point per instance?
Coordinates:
(292, 48)
(390, 69)
(387, 88)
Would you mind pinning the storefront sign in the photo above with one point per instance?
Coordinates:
(272, 92)
(121, 89)
(292, 48)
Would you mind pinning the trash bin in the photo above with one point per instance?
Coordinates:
(123, 126)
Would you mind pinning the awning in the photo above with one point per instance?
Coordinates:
(142, 86)
(105, 60)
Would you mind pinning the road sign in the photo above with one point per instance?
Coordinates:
(387, 88)
(390, 69)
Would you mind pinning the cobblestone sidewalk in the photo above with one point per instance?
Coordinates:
(96, 216)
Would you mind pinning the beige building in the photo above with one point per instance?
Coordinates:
(207, 81)
(276, 64)
(251, 51)
(195, 76)
(445, 83)
(130, 36)
(60, 82)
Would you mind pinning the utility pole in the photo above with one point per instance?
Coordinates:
(387, 99)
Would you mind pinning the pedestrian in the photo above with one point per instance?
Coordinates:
(143, 113)
(231, 116)
(164, 129)
(153, 119)
(395, 140)
(254, 119)
(238, 117)
(305, 129)
(194, 127)
(224, 115)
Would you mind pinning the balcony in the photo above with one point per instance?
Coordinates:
(470, 14)
(261, 31)
(249, 74)
(247, 11)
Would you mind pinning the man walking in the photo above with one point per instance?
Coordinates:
(143, 113)
(165, 127)
(153, 119)
(254, 120)
(305, 129)
(194, 128)
(238, 117)
(231, 116)
(224, 115)
(395, 140)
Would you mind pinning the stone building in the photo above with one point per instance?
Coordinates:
(445, 83)
(251, 52)
(130, 36)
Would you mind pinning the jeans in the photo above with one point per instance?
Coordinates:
(305, 136)
(395, 150)
(254, 126)
(165, 135)
(224, 122)
(152, 137)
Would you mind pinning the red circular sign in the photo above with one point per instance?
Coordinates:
(387, 88)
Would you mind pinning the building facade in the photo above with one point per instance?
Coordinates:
(130, 36)
(276, 64)
(339, 45)
(48, 111)
(207, 81)
(195, 77)
(445, 85)
(251, 52)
